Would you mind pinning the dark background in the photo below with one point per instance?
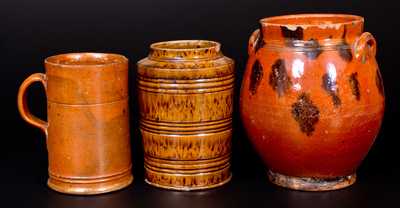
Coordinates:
(33, 30)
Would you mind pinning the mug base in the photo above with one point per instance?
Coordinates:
(311, 183)
(90, 186)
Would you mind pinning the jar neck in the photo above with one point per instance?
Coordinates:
(311, 29)
(185, 50)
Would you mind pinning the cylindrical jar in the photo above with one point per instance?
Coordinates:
(185, 91)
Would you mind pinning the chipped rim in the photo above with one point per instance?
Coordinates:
(352, 19)
(115, 59)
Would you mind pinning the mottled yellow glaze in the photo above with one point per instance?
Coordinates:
(185, 91)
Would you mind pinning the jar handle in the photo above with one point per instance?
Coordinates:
(365, 47)
(22, 103)
(253, 41)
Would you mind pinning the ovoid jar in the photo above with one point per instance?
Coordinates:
(312, 98)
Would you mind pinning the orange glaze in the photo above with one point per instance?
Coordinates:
(312, 98)
(87, 128)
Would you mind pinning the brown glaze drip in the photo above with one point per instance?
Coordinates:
(260, 40)
(279, 78)
(345, 52)
(305, 113)
(355, 85)
(379, 82)
(314, 49)
(292, 34)
(256, 76)
(344, 48)
(330, 86)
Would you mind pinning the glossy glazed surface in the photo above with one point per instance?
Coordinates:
(186, 99)
(87, 129)
(312, 98)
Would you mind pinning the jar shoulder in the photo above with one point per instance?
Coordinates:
(186, 69)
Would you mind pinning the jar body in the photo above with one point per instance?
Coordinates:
(312, 107)
(186, 115)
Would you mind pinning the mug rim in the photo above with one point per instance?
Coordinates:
(114, 59)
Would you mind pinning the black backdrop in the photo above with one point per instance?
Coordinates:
(33, 30)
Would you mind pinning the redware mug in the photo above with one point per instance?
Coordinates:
(87, 131)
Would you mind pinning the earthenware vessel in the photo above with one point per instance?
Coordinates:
(185, 93)
(312, 98)
(87, 126)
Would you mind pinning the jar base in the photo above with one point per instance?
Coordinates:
(311, 183)
(187, 175)
(90, 186)
(189, 188)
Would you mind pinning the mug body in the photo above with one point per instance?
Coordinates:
(312, 98)
(185, 93)
(88, 123)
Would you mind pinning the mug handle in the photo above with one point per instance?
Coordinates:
(22, 103)
(365, 47)
(253, 41)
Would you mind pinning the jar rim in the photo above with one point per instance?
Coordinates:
(317, 19)
(184, 45)
(185, 49)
